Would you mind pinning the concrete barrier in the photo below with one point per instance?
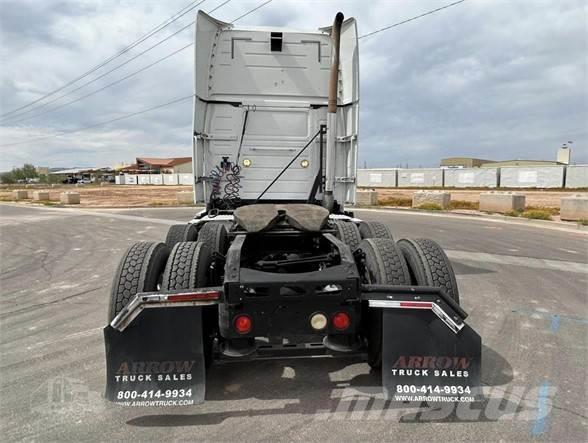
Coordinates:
(419, 178)
(574, 208)
(532, 177)
(185, 197)
(41, 196)
(20, 194)
(366, 198)
(471, 178)
(439, 198)
(577, 176)
(377, 178)
(501, 202)
(170, 179)
(70, 198)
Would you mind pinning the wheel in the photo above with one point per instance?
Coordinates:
(374, 229)
(429, 265)
(385, 265)
(188, 268)
(347, 232)
(139, 270)
(214, 234)
(179, 233)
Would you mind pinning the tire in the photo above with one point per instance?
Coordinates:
(214, 234)
(181, 233)
(373, 229)
(429, 265)
(139, 270)
(187, 268)
(385, 265)
(348, 233)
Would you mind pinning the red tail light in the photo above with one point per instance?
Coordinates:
(194, 296)
(341, 321)
(243, 324)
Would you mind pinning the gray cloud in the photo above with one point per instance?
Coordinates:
(493, 79)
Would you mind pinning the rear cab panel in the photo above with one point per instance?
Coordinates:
(262, 105)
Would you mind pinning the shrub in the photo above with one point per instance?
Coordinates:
(395, 201)
(536, 214)
(430, 207)
(463, 204)
(512, 213)
(549, 210)
(583, 221)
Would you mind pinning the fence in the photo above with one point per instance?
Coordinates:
(572, 177)
(471, 178)
(154, 179)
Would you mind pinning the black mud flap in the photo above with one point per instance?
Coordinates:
(158, 360)
(424, 360)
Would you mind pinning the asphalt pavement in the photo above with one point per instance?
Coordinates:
(525, 289)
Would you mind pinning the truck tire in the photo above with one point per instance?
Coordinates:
(139, 270)
(348, 233)
(429, 265)
(374, 229)
(214, 234)
(385, 265)
(188, 268)
(180, 233)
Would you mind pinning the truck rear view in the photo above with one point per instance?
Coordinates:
(275, 265)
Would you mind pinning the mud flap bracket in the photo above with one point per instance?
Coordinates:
(429, 353)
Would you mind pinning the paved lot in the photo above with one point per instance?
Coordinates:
(524, 287)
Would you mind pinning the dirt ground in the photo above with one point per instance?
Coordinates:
(536, 198)
(124, 196)
(108, 196)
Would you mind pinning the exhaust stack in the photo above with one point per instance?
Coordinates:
(328, 199)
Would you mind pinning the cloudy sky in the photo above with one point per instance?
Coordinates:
(497, 79)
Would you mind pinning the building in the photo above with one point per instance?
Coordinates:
(523, 163)
(153, 165)
(463, 162)
(76, 175)
(563, 158)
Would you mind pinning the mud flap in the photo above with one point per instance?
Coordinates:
(424, 360)
(158, 360)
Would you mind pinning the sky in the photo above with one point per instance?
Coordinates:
(493, 79)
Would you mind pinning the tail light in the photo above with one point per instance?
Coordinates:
(341, 321)
(243, 324)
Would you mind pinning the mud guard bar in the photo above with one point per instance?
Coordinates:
(416, 297)
(172, 299)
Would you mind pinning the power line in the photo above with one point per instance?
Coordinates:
(253, 10)
(411, 19)
(100, 76)
(43, 105)
(123, 117)
(114, 69)
(126, 77)
(155, 30)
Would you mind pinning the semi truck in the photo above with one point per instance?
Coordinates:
(276, 264)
